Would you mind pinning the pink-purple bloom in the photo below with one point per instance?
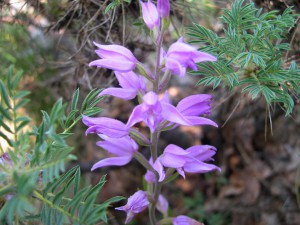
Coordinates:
(153, 111)
(193, 106)
(131, 84)
(123, 148)
(163, 7)
(184, 220)
(136, 203)
(114, 57)
(180, 56)
(150, 14)
(191, 160)
(107, 126)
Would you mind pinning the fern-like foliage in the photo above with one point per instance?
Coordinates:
(250, 53)
(32, 162)
(66, 203)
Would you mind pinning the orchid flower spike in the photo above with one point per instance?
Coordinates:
(184, 220)
(114, 57)
(136, 203)
(124, 149)
(150, 14)
(163, 7)
(131, 84)
(180, 56)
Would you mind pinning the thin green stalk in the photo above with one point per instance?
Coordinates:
(157, 66)
(155, 136)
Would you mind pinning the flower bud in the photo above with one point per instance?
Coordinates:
(150, 14)
(163, 7)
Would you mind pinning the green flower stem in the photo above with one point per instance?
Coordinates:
(156, 187)
(157, 66)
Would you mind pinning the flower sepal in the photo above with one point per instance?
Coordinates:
(139, 137)
(144, 72)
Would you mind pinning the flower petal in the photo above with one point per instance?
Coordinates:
(150, 14)
(163, 7)
(195, 105)
(119, 146)
(122, 93)
(199, 56)
(115, 51)
(135, 204)
(113, 161)
(131, 80)
(202, 152)
(195, 120)
(175, 66)
(197, 166)
(110, 127)
(160, 169)
(170, 113)
(184, 220)
(136, 116)
(114, 64)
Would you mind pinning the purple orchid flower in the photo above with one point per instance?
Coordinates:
(124, 148)
(131, 84)
(193, 106)
(115, 57)
(150, 176)
(180, 56)
(150, 14)
(190, 160)
(107, 126)
(163, 7)
(153, 112)
(184, 220)
(136, 203)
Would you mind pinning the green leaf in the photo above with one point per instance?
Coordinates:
(5, 112)
(21, 94)
(10, 142)
(21, 103)
(92, 111)
(75, 100)
(70, 118)
(4, 94)
(21, 125)
(17, 79)
(9, 77)
(2, 124)
(89, 98)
